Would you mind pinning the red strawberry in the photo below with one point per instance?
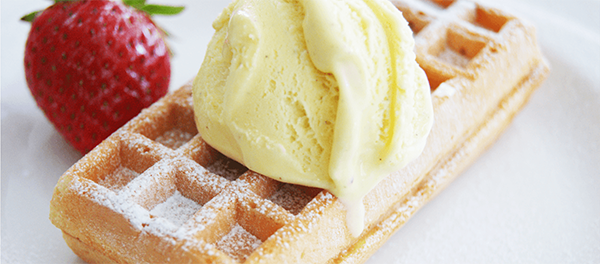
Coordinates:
(93, 65)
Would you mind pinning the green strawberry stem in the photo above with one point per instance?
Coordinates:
(141, 5)
(154, 9)
(162, 10)
(29, 17)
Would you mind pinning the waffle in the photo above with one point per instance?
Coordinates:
(155, 192)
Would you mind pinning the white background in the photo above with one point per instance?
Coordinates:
(534, 197)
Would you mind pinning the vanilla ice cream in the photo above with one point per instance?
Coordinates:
(323, 93)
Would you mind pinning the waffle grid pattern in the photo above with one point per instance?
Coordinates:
(144, 165)
(156, 192)
(454, 38)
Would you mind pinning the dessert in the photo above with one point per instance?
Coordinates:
(338, 104)
(154, 191)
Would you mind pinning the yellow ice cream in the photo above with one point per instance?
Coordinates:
(324, 93)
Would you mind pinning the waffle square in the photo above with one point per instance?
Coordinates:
(155, 192)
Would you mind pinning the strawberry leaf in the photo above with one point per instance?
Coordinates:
(153, 9)
(30, 17)
(162, 10)
(137, 4)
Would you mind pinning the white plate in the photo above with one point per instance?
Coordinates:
(533, 197)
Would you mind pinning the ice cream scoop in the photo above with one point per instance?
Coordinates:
(323, 93)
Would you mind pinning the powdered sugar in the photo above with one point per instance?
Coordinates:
(200, 176)
(238, 243)
(136, 214)
(444, 90)
(450, 56)
(227, 169)
(290, 198)
(177, 209)
(174, 138)
(118, 178)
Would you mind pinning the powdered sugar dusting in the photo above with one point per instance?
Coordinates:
(174, 138)
(313, 210)
(118, 178)
(450, 56)
(136, 214)
(150, 184)
(290, 198)
(190, 101)
(444, 90)
(206, 216)
(177, 209)
(227, 169)
(200, 176)
(238, 243)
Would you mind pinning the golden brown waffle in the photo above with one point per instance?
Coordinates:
(155, 192)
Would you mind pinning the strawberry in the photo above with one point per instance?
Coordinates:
(93, 65)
